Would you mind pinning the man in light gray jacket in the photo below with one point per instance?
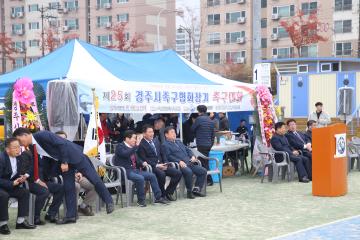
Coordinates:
(319, 116)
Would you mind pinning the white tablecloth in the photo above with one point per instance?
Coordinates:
(229, 147)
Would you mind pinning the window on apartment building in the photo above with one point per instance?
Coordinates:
(263, 22)
(34, 25)
(103, 21)
(213, 38)
(343, 49)
(211, 3)
(231, 1)
(33, 59)
(19, 63)
(213, 58)
(281, 32)
(263, 3)
(343, 26)
(213, 19)
(181, 41)
(284, 11)
(124, 17)
(18, 28)
(264, 43)
(103, 3)
(122, 1)
(33, 7)
(233, 36)
(72, 24)
(308, 7)
(16, 10)
(309, 51)
(71, 5)
(54, 5)
(235, 57)
(233, 17)
(104, 40)
(19, 46)
(34, 43)
(343, 5)
(283, 52)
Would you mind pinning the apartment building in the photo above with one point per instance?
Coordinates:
(89, 20)
(226, 33)
(245, 32)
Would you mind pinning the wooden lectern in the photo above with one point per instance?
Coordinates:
(329, 173)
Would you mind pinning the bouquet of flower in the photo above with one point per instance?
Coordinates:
(267, 116)
(24, 109)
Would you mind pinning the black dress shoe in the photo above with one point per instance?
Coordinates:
(66, 221)
(161, 201)
(110, 208)
(190, 195)
(38, 221)
(141, 204)
(25, 225)
(304, 180)
(198, 193)
(4, 229)
(49, 218)
(170, 197)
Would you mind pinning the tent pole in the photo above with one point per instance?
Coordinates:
(181, 126)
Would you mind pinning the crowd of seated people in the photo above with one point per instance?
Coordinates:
(50, 155)
(36, 170)
(295, 145)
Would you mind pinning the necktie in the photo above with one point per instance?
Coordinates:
(36, 164)
(153, 146)
(296, 134)
(133, 161)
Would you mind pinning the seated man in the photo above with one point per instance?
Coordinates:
(125, 156)
(149, 151)
(10, 186)
(70, 157)
(85, 184)
(41, 189)
(280, 143)
(308, 134)
(297, 140)
(176, 151)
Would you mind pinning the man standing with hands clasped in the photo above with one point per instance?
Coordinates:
(70, 155)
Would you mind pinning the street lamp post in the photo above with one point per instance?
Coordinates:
(178, 11)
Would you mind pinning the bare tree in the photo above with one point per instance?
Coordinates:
(192, 25)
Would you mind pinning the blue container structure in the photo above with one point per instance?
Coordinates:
(212, 164)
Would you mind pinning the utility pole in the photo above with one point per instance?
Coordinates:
(358, 50)
(42, 11)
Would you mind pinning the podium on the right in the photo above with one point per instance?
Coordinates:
(329, 161)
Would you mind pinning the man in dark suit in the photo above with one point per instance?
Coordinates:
(125, 156)
(204, 130)
(308, 134)
(280, 143)
(150, 151)
(42, 188)
(176, 151)
(297, 140)
(71, 157)
(11, 179)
